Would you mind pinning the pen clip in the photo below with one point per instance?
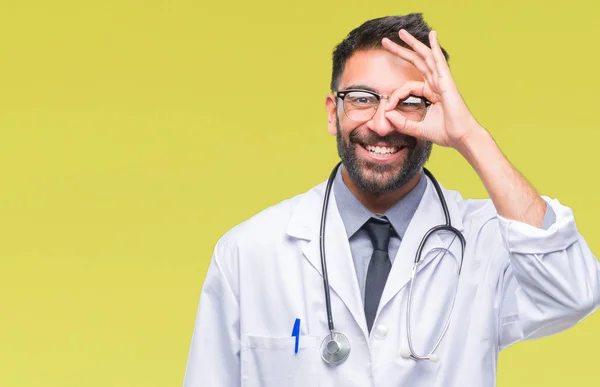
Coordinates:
(296, 333)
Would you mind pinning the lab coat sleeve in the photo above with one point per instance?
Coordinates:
(214, 356)
(551, 281)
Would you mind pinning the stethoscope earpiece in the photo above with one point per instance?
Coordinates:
(405, 353)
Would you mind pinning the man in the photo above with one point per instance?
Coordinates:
(525, 271)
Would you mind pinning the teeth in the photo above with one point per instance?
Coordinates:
(382, 150)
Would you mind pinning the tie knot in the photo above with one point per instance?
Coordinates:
(380, 232)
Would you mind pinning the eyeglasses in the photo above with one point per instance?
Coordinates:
(361, 105)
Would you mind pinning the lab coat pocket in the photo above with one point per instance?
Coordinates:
(272, 361)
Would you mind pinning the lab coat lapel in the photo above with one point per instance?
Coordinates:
(304, 224)
(340, 267)
(429, 214)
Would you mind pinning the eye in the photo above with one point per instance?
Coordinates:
(412, 103)
(361, 99)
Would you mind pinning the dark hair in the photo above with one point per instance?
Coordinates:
(369, 35)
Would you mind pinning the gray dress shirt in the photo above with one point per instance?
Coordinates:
(354, 215)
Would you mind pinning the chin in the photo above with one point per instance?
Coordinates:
(379, 182)
(393, 168)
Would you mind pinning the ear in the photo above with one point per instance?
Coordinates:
(331, 107)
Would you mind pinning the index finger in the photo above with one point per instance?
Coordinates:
(409, 56)
(421, 48)
(416, 88)
(414, 43)
(404, 53)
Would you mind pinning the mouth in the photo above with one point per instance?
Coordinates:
(381, 152)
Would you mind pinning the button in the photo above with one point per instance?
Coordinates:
(381, 332)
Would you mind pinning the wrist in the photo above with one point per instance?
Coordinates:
(477, 146)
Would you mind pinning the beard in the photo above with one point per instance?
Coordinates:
(379, 178)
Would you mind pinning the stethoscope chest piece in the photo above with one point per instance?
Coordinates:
(335, 348)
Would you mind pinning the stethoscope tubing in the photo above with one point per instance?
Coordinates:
(445, 227)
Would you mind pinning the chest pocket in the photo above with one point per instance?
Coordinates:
(272, 362)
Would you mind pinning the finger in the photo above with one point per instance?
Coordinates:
(417, 88)
(409, 127)
(419, 47)
(440, 60)
(410, 56)
(410, 87)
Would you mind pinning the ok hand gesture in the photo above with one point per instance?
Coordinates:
(448, 121)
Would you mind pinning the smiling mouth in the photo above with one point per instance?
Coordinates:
(380, 150)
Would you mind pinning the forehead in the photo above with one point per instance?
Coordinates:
(379, 69)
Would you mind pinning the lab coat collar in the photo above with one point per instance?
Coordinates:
(305, 224)
(306, 216)
(355, 214)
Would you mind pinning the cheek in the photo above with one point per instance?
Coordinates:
(344, 127)
(351, 133)
(347, 126)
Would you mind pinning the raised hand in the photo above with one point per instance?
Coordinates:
(448, 121)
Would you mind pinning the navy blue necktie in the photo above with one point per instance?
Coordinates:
(379, 267)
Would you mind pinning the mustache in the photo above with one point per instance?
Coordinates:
(394, 139)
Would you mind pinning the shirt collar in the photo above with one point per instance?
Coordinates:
(354, 214)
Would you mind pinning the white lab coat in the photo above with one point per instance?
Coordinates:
(518, 282)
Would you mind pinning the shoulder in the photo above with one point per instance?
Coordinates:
(477, 210)
(478, 215)
(471, 209)
(478, 222)
(268, 227)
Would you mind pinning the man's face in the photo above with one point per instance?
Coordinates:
(376, 155)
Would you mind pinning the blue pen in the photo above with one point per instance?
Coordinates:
(296, 332)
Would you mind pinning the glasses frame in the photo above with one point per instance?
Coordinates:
(341, 94)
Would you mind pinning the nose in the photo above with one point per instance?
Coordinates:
(379, 123)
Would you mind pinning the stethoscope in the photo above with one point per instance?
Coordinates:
(335, 347)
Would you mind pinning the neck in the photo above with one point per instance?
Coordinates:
(379, 203)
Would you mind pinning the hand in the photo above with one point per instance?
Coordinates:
(448, 121)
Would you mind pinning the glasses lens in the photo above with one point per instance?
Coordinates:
(413, 108)
(360, 105)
